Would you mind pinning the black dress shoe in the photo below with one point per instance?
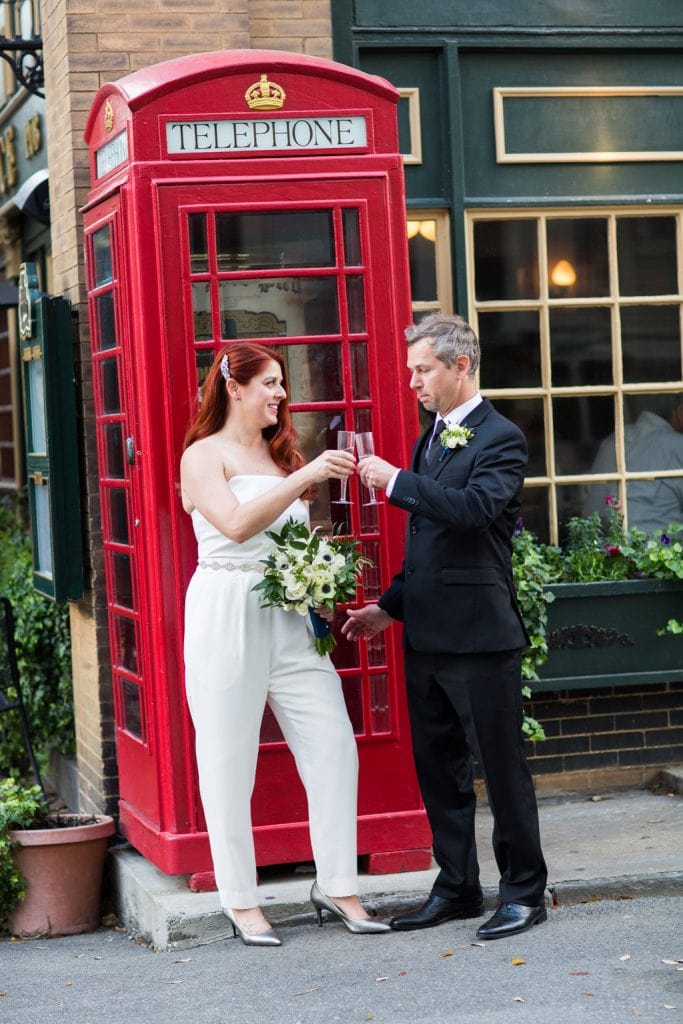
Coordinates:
(510, 919)
(436, 910)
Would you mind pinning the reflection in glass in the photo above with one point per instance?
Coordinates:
(270, 730)
(362, 420)
(41, 527)
(111, 401)
(317, 431)
(527, 413)
(125, 643)
(377, 652)
(653, 432)
(511, 349)
(347, 652)
(273, 306)
(570, 503)
(203, 359)
(351, 685)
(380, 715)
(352, 254)
(201, 311)
(314, 372)
(269, 240)
(356, 304)
(118, 515)
(105, 321)
(579, 425)
(646, 255)
(371, 579)
(594, 496)
(651, 343)
(360, 380)
(422, 260)
(199, 250)
(580, 346)
(577, 248)
(123, 580)
(535, 512)
(113, 451)
(101, 245)
(505, 259)
(132, 710)
(36, 390)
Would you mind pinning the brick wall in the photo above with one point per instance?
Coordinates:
(617, 736)
(89, 43)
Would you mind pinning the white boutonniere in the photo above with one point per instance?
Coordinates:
(454, 437)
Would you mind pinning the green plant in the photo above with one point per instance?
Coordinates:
(43, 652)
(20, 807)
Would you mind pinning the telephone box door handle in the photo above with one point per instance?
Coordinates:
(130, 451)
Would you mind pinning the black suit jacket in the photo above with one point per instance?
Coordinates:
(455, 592)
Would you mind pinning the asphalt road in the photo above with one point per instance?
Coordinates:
(598, 962)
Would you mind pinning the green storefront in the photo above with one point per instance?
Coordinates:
(543, 145)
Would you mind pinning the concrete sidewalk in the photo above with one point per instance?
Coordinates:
(609, 846)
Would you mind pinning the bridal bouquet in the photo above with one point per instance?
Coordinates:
(305, 571)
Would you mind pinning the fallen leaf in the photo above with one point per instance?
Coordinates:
(402, 974)
(98, 958)
(595, 799)
(669, 1006)
(655, 821)
(626, 956)
(578, 974)
(517, 961)
(370, 1017)
(69, 984)
(187, 960)
(646, 837)
(448, 952)
(3, 993)
(482, 945)
(517, 999)
(586, 993)
(383, 977)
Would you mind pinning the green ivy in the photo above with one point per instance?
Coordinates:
(43, 645)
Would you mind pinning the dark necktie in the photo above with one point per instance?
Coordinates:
(434, 449)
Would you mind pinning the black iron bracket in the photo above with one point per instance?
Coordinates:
(25, 57)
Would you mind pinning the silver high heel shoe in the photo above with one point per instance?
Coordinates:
(267, 938)
(322, 902)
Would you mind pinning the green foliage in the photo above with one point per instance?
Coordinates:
(20, 807)
(43, 652)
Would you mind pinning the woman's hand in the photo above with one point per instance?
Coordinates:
(324, 613)
(332, 465)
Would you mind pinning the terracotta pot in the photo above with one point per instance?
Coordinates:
(63, 870)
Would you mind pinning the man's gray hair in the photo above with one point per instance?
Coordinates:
(449, 336)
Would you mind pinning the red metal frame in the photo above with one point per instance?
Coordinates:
(145, 200)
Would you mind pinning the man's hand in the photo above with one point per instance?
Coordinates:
(367, 621)
(375, 472)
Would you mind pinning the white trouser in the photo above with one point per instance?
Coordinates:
(304, 692)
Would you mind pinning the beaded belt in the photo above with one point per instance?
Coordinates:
(208, 563)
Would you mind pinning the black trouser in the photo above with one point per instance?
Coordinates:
(462, 705)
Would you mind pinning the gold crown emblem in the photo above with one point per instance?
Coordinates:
(265, 95)
(108, 116)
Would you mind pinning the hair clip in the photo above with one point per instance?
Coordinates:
(225, 368)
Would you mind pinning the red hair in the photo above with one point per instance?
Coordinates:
(246, 360)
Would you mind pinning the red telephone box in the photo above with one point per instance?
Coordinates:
(246, 194)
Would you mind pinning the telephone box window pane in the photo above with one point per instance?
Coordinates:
(347, 652)
(352, 253)
(422, 260)
(527, 413)
(313, 373)
(651, 343)
(351, 687)
(118, 515)
(111, 401)
(132, 709)
(580, 424)
(363, 421)
(201, 311)
(316, 431)
(36, 390)
(126, 646)
(43, 556)
(376, 648)
(577, 258)
(199, 250)
(534, 512)
(360, 379)
(580, 346)
(379, 704)
(646, 255)
(356, 304)
(511, 344)
(113, 449)
(105, 321)
(505, 259)
(123, 580)
(203, 358)
(101, 244)
(279, 306)
(372, 584)
(269, 240)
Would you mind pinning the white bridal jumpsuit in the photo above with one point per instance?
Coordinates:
(239, 655)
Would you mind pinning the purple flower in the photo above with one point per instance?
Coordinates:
(665, 539)
(612, 549)
(609, 499)
(519, 526)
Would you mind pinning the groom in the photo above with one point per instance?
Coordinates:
(462, 631)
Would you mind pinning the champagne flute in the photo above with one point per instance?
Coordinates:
(365, 446)
(344, 443)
